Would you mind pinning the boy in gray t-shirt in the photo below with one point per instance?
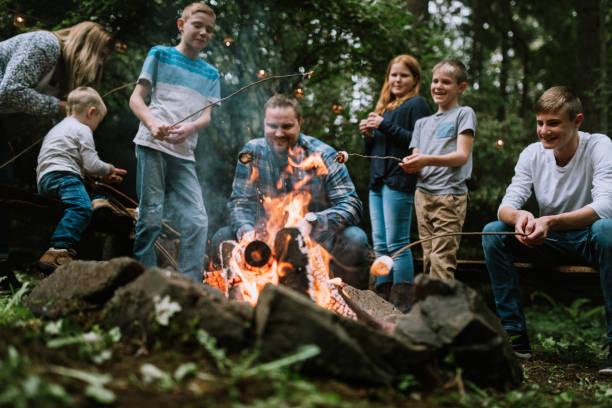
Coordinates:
(442, 157)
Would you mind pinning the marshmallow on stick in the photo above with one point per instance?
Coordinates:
(342, 157)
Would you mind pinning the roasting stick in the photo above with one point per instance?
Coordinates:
(304, 75)
(342, 157)
(24, 151)
(383, 264)
(123, 209)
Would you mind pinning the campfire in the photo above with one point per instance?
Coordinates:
(278, 252)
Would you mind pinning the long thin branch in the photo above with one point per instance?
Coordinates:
(307, 75)
(451, 234)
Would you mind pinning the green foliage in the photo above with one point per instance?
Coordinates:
(95, 345)
(96, 383)
(288, 388)
(568, 332)
(12, 312)
(19, 387)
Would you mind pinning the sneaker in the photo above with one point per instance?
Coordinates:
(54, 258)
(520, 344)
(605, 368)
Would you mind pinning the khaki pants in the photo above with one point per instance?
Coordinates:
(439, 214)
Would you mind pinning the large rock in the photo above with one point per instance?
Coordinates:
(452, 318)
(81, 286)
(136, 308)
(286, 320)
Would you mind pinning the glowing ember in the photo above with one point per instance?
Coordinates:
(250, 266)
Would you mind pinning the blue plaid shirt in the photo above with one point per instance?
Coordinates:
(334, 199)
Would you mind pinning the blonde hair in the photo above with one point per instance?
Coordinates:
(387, 101)
(197, 7)
(559, 98)
(453, 67)
(82, 45)
(82, 98)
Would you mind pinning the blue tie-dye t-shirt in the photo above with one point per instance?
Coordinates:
(180, 86)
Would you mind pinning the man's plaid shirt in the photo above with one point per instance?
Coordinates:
(334, 199)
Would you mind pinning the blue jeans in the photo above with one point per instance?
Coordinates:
(592, 246)
(168, 185)
(390, 214)
(69, 188)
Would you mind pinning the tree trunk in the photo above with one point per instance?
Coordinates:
(592, 51)
(418, 8)
(478, 33)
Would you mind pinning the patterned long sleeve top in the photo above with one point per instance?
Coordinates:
(25, 60)
(334, 199)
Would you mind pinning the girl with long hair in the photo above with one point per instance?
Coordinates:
(387, 132)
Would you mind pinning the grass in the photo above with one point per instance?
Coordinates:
(70, 363)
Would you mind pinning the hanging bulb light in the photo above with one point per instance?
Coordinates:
(337, 109)
(499, 144)
(228, 41)
(120, 47)
(19, 21)
(262, 73)
(298, 93)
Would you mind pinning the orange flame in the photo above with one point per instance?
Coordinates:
(282, 212)
(254, 175)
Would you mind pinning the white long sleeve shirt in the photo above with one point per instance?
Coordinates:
(585, 181)
(69, 146)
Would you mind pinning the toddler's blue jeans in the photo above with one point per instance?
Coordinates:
(592, 246)
(68, 187)
(168, 186)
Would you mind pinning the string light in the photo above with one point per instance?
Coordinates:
(499, 144)
(120, 47)
(228, 41)
(298, 93)
(19, 21)
(262, 73)
(337, 109)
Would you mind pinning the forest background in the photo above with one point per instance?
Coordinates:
(513, 50)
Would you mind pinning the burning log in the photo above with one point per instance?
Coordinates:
(246, 156)
(257, 253)
(292, 257)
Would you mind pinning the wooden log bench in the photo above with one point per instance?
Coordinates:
(564, 283)
(480, 263)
